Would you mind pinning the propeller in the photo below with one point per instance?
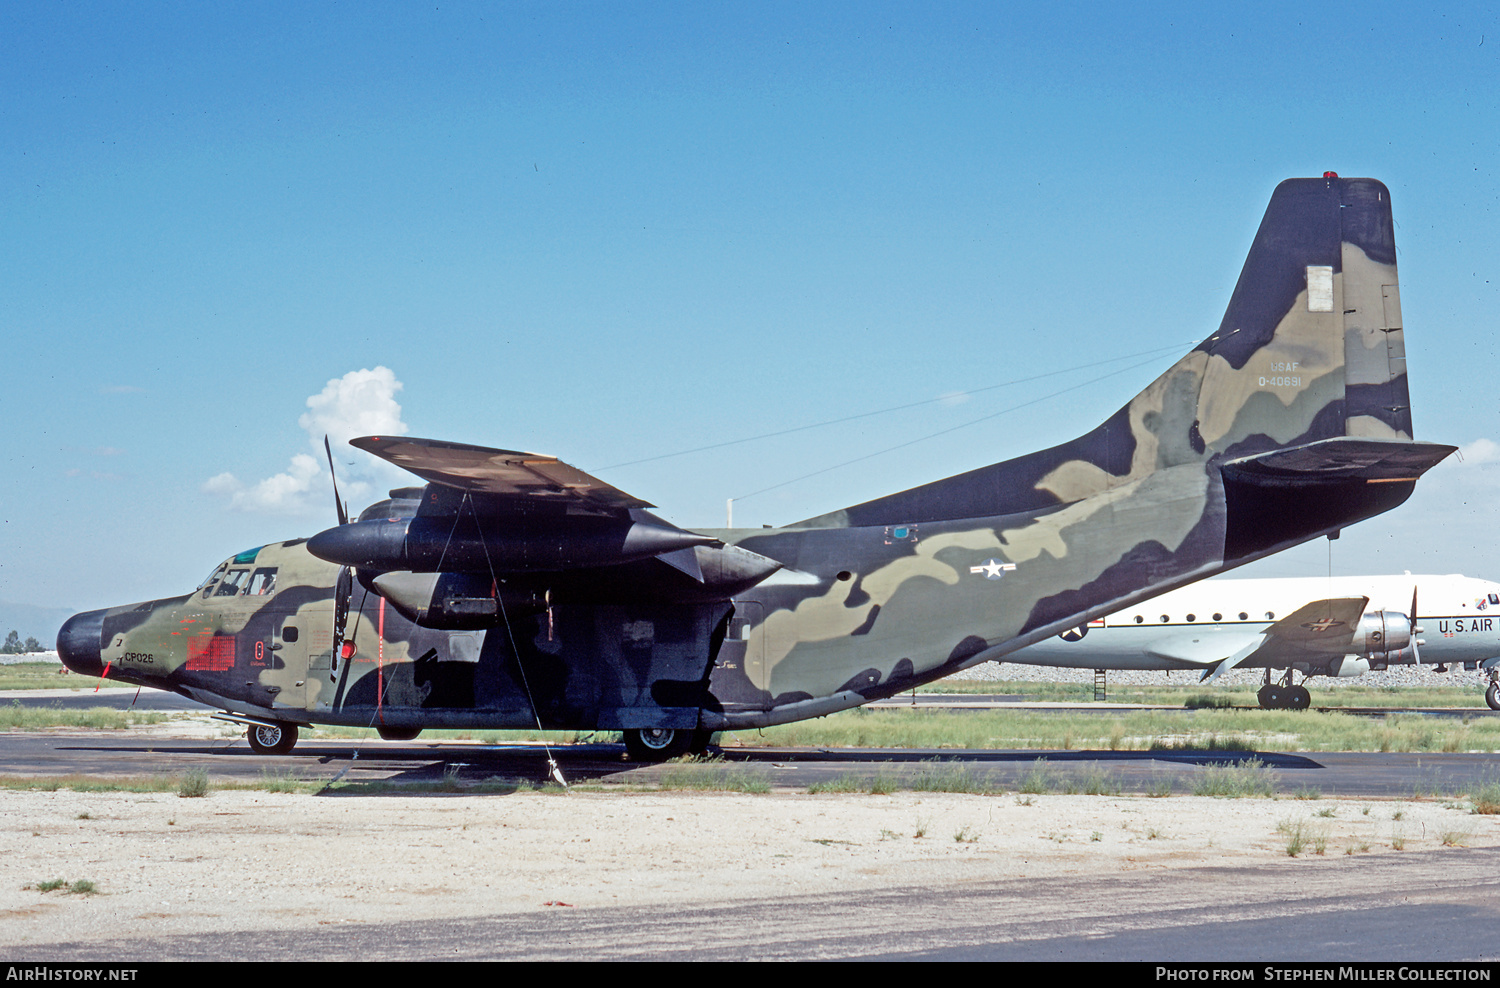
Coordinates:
(1411, 617)
(341, 509)
(343, 588)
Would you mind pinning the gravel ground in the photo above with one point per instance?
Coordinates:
(165, 865)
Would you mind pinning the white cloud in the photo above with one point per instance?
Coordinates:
(361, 403)
(1477, 452)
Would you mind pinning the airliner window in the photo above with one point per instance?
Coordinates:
(263, 582)
(230, 585)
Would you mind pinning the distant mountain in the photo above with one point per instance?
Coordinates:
(30, 621)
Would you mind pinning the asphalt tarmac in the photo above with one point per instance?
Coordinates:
(1414, 907)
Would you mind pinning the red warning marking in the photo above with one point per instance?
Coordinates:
(215, 654)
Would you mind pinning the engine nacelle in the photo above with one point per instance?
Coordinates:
(1381, 635)
(1349, 665)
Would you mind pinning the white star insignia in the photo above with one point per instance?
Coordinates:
(992, 569)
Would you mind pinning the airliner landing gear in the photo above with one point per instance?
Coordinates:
(1492, 695)
(1283, 695)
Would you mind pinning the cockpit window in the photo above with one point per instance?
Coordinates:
(248, 556)
(230, 585)
(207, 586)
(262, 582)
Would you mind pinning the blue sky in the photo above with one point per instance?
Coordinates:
(610, 232)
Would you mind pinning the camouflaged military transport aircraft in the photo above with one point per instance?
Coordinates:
(513, 590)
(1315, 626)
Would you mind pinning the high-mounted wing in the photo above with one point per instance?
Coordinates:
(502, 472)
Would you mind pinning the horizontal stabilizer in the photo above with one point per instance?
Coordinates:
(1341, 458)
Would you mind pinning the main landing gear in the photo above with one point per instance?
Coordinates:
(1492, 694)
(657, 744)
(1283, 695)
(272, 739)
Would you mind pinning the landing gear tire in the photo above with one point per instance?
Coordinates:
(1297, 698)
(397, 733)
(272, 739)
(702, 741)
(1270, 697)
(1492, 696)
(656, 744)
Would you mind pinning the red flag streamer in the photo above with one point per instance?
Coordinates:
(380, 664)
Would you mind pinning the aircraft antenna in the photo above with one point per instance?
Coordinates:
(944, 432)
(552, 766)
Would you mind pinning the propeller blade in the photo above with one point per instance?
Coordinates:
(1411, 617)
(338, 504)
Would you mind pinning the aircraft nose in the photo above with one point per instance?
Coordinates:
(78, 643)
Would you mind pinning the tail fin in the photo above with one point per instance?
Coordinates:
(1290, 421)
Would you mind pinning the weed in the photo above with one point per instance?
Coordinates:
(1456, 838)
(1326, 811)
(1096, 837)
(51, 885)
(1024, 801)
(848, 782)
(948, 778)
(1485, 798)
(1294, 836)
(1161, 787)
(1398, 839)
(1092, 781)
(921, 829)
(194, 784)
(963, 835)
(83, 816)
(1234, 781)
(1308, 792)
(283, 782)
(1038, 779)
(83, 887)
(722, 779)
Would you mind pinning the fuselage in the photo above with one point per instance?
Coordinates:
(1201, 624)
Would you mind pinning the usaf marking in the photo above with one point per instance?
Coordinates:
(992, 569)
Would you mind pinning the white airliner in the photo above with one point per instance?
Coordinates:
(1319, 626)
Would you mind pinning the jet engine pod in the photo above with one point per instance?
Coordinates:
(427, 545)
(453, 601)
